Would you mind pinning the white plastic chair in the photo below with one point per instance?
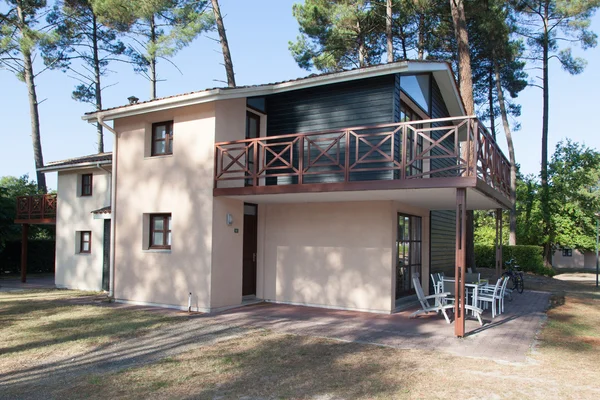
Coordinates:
(436, 280)
(491, 295)
(426, 308)
(503, 290)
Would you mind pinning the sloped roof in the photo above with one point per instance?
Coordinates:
(99, 158)
(103, 210)
(219, 93)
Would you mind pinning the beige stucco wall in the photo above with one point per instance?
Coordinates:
(180, 184)
(75, 270)
(329, 254)
(206, 254)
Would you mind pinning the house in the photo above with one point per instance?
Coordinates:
(331, 190)
(566, 257)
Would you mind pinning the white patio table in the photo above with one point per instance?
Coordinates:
(473, 287)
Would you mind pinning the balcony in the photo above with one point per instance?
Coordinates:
(436, 153)
(36, 209)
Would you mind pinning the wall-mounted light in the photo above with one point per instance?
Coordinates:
(229, 219)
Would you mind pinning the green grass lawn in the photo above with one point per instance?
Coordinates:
(39, 326)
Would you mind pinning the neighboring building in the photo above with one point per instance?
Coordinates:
(83, 222)
(572, 258)
(332, 190)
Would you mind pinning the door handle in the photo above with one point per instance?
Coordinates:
(253, 257)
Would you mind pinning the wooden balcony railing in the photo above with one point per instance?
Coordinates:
(36, 209)
(435, 148)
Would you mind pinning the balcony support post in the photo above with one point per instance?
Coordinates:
(24, 242)
(460, 262)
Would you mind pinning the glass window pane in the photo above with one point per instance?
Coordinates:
(170, 146)
(86, 236)
(158, 223)
(157, 239)
(160, 132)
(169, 223)
(249, 209)
(417, 87)
(169, 238)
(159, 147)
(86, 246)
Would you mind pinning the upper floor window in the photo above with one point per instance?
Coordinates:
(162, 138)
(86, 184)
(160, 231)
(567, 252)
(418, 88)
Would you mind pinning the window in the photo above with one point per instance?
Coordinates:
(160, 231)
(162, 138)
(417, 87)
(408, 264)
(85, 242)
(567, 252)
(86, 184)
(413, 149)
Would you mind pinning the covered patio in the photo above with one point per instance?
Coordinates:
(508, 337)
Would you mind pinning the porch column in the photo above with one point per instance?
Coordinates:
(498, 242)
(24, 242)
(460, 262)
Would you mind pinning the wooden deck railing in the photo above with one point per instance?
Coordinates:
(446, 147)
(37, 208)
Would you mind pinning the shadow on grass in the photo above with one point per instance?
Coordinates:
(264, 365)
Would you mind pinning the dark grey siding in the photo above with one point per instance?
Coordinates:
(439, 110)
(442, 250)
(350, 104)
(443, 223)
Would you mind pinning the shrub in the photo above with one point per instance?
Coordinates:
(40, 256)
(529, 258)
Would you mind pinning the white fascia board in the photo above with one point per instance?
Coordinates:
(69, 167)
(225, 94)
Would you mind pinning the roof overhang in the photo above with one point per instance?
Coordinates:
(441, 69)
(68, 167)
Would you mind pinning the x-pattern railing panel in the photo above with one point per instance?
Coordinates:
(33, 207)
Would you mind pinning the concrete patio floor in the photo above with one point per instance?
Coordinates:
(12, 283)
(507, 337)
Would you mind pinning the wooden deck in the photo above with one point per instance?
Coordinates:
(447, 152)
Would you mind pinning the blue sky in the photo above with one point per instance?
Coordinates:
(258, 33)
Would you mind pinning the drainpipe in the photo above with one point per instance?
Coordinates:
(113, 206)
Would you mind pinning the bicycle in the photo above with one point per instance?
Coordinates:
(515, 276)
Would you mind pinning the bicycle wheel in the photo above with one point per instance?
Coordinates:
(513, 280)
(520, 284)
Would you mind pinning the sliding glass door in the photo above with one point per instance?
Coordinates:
(408, 263)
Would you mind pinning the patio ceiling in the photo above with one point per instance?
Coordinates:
(431, 198)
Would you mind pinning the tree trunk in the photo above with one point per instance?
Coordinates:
(361, 45)
(512, 239)
(403, 39)
(388, 32)
(421, 44)
(491, 102)
(466, 92)
(464, 56)
(33, 103)
(152, 60)
(97, 85)
(544, 172)
(224, 44)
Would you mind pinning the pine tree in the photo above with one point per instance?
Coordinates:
(19, 37)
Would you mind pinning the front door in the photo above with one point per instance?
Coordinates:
(250, 248)
(106, 256)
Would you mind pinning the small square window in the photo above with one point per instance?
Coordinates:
(86, 185)
(162, 138)
(160, 231)
(85, 242)
(567, 252)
